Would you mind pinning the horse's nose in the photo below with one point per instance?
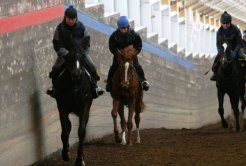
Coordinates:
(124, 84)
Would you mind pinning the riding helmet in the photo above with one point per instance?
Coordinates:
(225, 17)
(71, 12)
(122, 22)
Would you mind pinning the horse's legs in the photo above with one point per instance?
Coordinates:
(114, 112)
(243, 103)
(123, 124)
(220, 95)
(234, 100)
(241, 115)
(129, 122)
(137, 121)
(83, 120)
(81, 134)
(66, 129)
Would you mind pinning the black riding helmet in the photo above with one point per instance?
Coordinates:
(225, 17)
(71, 12)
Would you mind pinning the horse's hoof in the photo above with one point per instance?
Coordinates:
(79, 162)
(129, 143)
(65, 156)
(118, 139)
(123, 142)
(238, 128)
(138, 141)
(224, 124)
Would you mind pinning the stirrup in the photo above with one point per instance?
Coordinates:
(145, 85)
(99, 91)
(96, 92)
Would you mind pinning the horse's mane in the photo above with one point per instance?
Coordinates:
(128, 53)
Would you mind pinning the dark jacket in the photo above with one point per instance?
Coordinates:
(118, 41)
(65, 36)
(232, 35)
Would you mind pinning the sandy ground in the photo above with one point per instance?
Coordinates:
(207, 146)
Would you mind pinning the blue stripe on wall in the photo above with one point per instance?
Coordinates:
(108, 30)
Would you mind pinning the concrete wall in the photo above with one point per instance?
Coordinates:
(180, 95)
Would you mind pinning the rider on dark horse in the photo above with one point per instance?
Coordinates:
(71, 29)
(123, 37)
(230, 33)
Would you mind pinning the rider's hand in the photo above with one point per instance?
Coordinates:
(63, 52)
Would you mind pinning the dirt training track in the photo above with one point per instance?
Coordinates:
(207, 146)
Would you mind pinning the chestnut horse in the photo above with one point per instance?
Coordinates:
(126, 91)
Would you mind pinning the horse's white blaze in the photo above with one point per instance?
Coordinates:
(138, 136)
(225, 46)
(77, 64)
(123, 139)
(126, 69)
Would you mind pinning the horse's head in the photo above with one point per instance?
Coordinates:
(125, 59)
(226, 59)
(76, 62)
(227, 70)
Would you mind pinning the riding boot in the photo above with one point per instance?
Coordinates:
(142, 79)
(56, 70)
(109, 79)
(51, 91)
(96, 90)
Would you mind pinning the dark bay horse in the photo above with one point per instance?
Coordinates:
(73, 95)
(242, 77)
(126, 91)
(228, 82)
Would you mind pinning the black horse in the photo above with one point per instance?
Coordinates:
(73, 95)
(228, 82)
(242, 74)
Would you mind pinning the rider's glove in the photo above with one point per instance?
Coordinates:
(63, 52)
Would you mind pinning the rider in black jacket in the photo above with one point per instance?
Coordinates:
(227, 32)
(121, 38)
(68, 30)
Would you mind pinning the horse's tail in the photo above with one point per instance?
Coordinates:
(140, 106)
